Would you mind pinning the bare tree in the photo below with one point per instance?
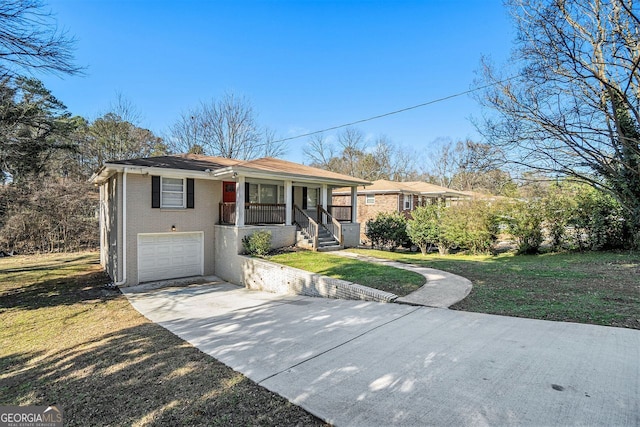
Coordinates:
(574, 106)
(273, 145)
(125, 109)
(405, 164)
(392, 161)
(352, 142)
(352, 155)
(184, 134)
(30, 40)
(443, 165)
(470, 166)
(116, 135)
(319, 151)
(227, 128)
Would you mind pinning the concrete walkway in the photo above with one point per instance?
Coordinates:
(442, 289)
(355, 363)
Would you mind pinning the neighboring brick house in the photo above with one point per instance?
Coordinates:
(390, 196)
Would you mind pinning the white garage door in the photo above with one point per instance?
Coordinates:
(169, 255)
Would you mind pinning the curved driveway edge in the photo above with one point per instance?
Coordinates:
(442, 289)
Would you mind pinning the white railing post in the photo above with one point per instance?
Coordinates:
(323, 201)
(240, 201)
(288, 185)
(354, 204)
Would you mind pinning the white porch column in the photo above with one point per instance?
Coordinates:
(288, 200)
(239, 201)
(101, 221)
(323, 196)
(323, 201)
(354, 204)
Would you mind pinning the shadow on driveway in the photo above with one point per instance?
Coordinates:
(365, 363)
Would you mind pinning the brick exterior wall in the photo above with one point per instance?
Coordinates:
(383, 203)
(228, 247)
(141, 218)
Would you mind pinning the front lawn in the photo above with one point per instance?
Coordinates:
(601, 288)
(66, 340)
(389, 279)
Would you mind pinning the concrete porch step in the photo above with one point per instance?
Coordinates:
(330, 248)
(326, 241)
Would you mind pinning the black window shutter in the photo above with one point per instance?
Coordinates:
(155, 191)
(190, 193)
(304, 198)
(246, 192)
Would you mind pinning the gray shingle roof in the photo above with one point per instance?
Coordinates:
(191, 162)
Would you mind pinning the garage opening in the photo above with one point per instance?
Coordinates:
(163, 256)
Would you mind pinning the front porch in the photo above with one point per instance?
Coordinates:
(318, 229)
(275, 213)
(303, 202)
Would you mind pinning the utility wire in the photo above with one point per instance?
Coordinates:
(402, 110)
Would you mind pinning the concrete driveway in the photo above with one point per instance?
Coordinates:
(367, 364)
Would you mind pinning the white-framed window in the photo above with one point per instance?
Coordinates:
(254, 193)
(370, 199)
(266, 193)
(172, 192)
(281, 194)
(408, 202)
(313, 195)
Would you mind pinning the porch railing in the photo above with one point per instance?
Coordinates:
(327, 221)
(306, 224)
(340, 212)
(264, 213)
(254, 213)
(227, 213)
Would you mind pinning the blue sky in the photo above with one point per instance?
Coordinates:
(305, 65)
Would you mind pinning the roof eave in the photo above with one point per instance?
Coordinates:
(228, 172)
(109, 169)
(106, 171)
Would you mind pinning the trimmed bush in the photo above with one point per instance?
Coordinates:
(257, 244)
(387, 230)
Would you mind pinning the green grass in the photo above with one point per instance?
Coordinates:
(389, 279)
(601, 288)
(66, 340)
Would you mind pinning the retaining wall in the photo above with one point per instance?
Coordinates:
(271, 277)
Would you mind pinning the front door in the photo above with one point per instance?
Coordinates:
(228, 192)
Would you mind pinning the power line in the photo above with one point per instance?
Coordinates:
(402, 110)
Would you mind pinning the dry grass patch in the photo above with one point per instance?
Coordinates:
(66, 340)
